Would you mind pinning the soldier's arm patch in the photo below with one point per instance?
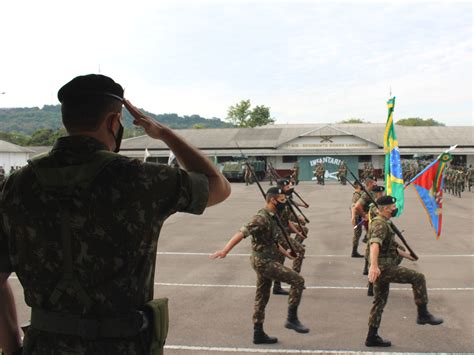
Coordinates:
(377, 232)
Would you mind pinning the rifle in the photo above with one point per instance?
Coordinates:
(297, 194)
(394, 227)
(289, 202)
(298, 208)
(277, 219)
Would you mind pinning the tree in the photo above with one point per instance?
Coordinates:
(353, 120)
(198, 126)
(417, 121)
(241, 115)
(260, 116)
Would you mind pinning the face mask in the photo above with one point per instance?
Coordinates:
(280, 206)
(118, 139)
(289, 192)
(394, 212)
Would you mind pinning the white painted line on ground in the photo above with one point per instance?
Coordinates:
(314, 287)
(313, 255)
(268, 351)
(307, 287)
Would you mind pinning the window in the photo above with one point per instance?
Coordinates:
(365, 158)
(289, 158)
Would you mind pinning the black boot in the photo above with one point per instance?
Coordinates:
(277, 290)
(259, 336)
(425, 317)
(370, 289)
(373, 339)
(366, 268)
(355, 253)
(293, 322)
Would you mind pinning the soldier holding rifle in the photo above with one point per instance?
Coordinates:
(265, 235)
(384, 270)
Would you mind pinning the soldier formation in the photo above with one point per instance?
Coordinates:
(83, 193)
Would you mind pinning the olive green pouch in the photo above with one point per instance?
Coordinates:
(158, 309)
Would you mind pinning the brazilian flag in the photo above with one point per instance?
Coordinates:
(393, 167)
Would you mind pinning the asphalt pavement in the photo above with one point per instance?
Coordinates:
(211, 301)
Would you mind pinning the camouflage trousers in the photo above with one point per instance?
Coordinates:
(357, 234)
(299, 249)
(395, 274)
(267, 271)
(305, 230)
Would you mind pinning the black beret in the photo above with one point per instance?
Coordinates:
(274, 191)
(386, 200)
(90, 85)
(283, 182)
(378, 188)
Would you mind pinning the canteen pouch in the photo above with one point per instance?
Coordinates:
(158, 310)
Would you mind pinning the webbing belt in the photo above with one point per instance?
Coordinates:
(89, 328)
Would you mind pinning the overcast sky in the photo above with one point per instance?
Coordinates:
(309, 61)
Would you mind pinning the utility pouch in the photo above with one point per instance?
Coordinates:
(158, 310)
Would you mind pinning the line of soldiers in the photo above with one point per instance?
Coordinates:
(270, 245)
(457, 179)
(367, 171)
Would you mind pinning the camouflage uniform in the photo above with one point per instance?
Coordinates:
(286, 218)
(265, 235)
(247, 175)
(357, 231)
(380, 232)
(342, 174)
(114, 228)
(320, 170)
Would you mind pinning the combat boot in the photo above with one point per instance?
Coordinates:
(425, 317)
(277, 290)
(373, 339)
(355, 253)
(260, 337)
(292, 322)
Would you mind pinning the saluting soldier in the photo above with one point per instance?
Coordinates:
(384, 270)
(80, 227)
(265, 235)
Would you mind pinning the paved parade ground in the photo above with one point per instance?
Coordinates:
(211, 301)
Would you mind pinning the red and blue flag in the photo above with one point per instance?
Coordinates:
(429, 186)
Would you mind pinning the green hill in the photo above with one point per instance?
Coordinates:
(27, 120)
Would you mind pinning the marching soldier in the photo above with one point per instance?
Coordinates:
(265, 253)
(384, 270)
(362, 209)
(356, 218)
(247, 175)
(342, 173)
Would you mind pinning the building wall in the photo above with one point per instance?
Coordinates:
(307, 165)
(7, 160)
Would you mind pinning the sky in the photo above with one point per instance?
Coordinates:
(309, 61)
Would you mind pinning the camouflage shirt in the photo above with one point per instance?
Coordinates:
(355, 197)
(365, 200)
(380, 232)
(114, 231)
(265, 234)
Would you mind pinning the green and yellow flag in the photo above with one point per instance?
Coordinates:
(393, 167)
